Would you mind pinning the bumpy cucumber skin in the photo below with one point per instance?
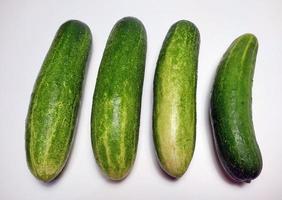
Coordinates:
(117, 99)
(55, 101)
(174, 110)
(231, 111)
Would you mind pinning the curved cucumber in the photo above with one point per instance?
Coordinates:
(55, 100)
(174, 114)
(117, 98)
(231, 111)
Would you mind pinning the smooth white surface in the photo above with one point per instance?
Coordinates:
(26, 31)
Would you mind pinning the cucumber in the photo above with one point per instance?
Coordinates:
(117, 99)
(174, 110)
(231, 111)
(55, 101)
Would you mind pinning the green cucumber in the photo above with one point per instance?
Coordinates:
(174, 110)
(117, 99)
(231, 111)
(55, 101)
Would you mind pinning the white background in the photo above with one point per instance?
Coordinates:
(27, 29)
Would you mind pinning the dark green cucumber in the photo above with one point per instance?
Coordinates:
(174, 114)
(55, 100)
(231, 111)
(117, 99)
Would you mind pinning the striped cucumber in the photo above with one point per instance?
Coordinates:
(117, 99)
(55, 101)
(174, 114)
(231, 111)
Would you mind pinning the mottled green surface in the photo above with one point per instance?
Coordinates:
(231, 111)
(55, 100)
(117, 99)
(174, 115)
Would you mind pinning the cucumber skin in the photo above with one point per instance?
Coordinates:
(174, 110)
(55, 101)
(117, 99)
(231, 111)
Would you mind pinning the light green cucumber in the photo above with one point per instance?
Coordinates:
(174, 110)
